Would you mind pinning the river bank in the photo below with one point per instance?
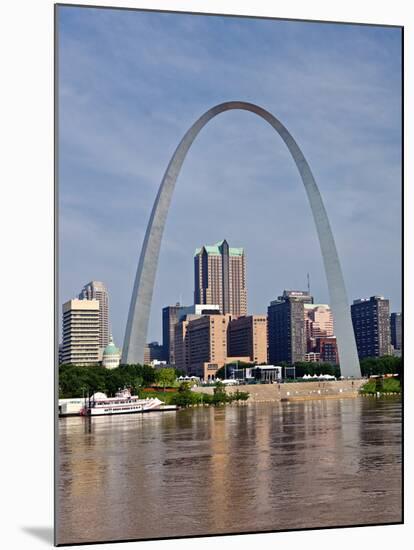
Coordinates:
(294, 391)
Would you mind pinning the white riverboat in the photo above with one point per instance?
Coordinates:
(123, 403)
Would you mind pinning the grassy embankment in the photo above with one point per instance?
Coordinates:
(382, 386)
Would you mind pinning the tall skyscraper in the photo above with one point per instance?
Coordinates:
(80, 344)
(318, 320)
(396, 330)
(371, 321)
(286, 327)
(171, 315)
(96, 290)
(220, 278)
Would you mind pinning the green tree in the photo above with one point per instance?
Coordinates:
(137, 384)
(185, 397)
(166, 377)
(381, 365)
(148, 374)
(219, 393)
(113, 382)
(381, 385)
(239, 396)
(184, 387)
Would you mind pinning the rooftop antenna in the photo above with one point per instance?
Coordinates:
(308, 278)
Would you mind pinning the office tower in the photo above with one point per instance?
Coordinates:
(203, 340)
(207, 344)
(220, 278)
(318, 321)
(152, 351)
(96, 290)
(80, 344)
(286, 327)
(247, 336)
(171, 315)
(396, 330)
(327, 349)
(181, 342)
(180, 347)
(371, 321)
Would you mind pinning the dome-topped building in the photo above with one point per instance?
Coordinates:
(111, 355)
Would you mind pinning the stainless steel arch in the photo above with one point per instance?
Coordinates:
(140, 306)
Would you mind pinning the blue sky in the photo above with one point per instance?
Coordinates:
(130, 85)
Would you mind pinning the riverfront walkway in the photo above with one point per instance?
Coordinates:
(295, 391)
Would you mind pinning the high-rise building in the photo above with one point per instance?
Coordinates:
(207, 344)
(327, 349)
(371, 321)
(318, 321)
(220, 278)
(171, 315)
(181, 342)
(286, 327)
(80, 344)
(202, 345)
(396, 330)
(96, 290)
(153, 351)
(321, 342)
(247, 336)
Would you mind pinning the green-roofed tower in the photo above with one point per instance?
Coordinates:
(220, 277)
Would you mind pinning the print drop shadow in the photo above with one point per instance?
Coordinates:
(42, 533)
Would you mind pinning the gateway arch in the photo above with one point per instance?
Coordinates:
(140, 306)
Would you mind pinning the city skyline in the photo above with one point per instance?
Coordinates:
(317, 318)
(342, 113)
(311, 307)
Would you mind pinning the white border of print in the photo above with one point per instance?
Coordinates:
(26, 105)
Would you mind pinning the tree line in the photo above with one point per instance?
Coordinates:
(77, 381)
(369, 366)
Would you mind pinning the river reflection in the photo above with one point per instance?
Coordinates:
(234, 469)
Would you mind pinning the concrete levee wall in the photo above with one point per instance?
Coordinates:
(293, 391)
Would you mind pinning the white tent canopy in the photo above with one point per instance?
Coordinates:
(318, 377)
